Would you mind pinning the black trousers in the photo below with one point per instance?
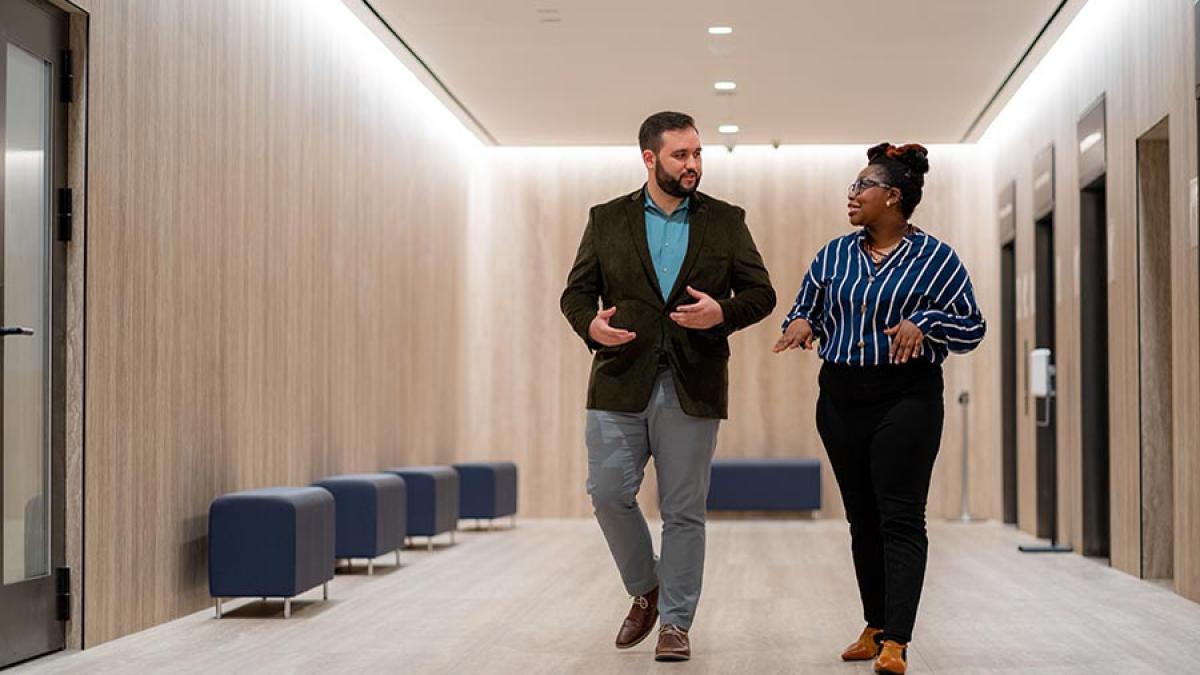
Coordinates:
(882, 426)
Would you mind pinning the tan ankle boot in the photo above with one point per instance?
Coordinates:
(864, 648)
(893, 659)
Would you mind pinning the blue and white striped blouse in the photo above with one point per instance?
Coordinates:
(849, 300)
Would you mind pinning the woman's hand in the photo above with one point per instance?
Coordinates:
(906, 341)
(799, 333)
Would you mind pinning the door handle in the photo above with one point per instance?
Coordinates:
(6, 331)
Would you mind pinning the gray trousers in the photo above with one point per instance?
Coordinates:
(619, 445)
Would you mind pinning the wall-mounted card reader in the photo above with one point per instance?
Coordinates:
(1041, 381)
(1039, 372)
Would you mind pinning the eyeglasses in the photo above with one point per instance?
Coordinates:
(856, 188)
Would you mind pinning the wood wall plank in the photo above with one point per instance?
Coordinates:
(1157, 428)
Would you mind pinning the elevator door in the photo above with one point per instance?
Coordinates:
(1008, 350)
(1093, 299)
(1047, 408)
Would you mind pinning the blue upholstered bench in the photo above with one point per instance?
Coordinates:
(487, 491)
(432, 500)
(791, 484)
(271, 543)
(371, 515)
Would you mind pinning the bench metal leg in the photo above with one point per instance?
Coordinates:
(430, 544)
(287, 608)
(397, 557)
(325, 591)
(370, 568)
(451, 537)
(218, 608)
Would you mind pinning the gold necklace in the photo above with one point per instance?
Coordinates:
(879, 254)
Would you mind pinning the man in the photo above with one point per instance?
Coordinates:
(677, 272)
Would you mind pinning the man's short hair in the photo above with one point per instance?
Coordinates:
(650, 135)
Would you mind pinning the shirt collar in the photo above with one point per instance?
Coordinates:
(649, 203)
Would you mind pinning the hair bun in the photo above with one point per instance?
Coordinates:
(912, 155)
(876, 151)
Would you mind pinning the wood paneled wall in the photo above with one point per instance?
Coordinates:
(297, 268)
(525, 388)
(1139, 56)
(276, 215)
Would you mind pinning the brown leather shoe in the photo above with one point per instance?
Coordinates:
(673, 644)
(893, 659)
(640, 620)
(864, 648)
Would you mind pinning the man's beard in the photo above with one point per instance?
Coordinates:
(673, 186)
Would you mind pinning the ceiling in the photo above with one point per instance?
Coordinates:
(576, 72)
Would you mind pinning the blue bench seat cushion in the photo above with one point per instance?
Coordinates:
(791, 484)
(487, 489)
(275, 542)
(432, 499)
(371, 513)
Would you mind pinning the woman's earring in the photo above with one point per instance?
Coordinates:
(890, 202)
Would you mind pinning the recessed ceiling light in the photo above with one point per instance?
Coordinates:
(724, 86)
(728, 129)
(719, 30)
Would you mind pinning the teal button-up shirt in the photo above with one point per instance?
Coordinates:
(667, 236)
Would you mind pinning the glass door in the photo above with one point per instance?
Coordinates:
(32, 37)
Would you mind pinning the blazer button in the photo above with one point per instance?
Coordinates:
(861, 344)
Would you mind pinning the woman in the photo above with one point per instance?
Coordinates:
(887, 304)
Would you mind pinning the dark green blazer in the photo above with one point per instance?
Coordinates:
(614, 265)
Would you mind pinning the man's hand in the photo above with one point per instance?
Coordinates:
(700, 315)
(601, 332)
(799, 333)
(907, 340)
